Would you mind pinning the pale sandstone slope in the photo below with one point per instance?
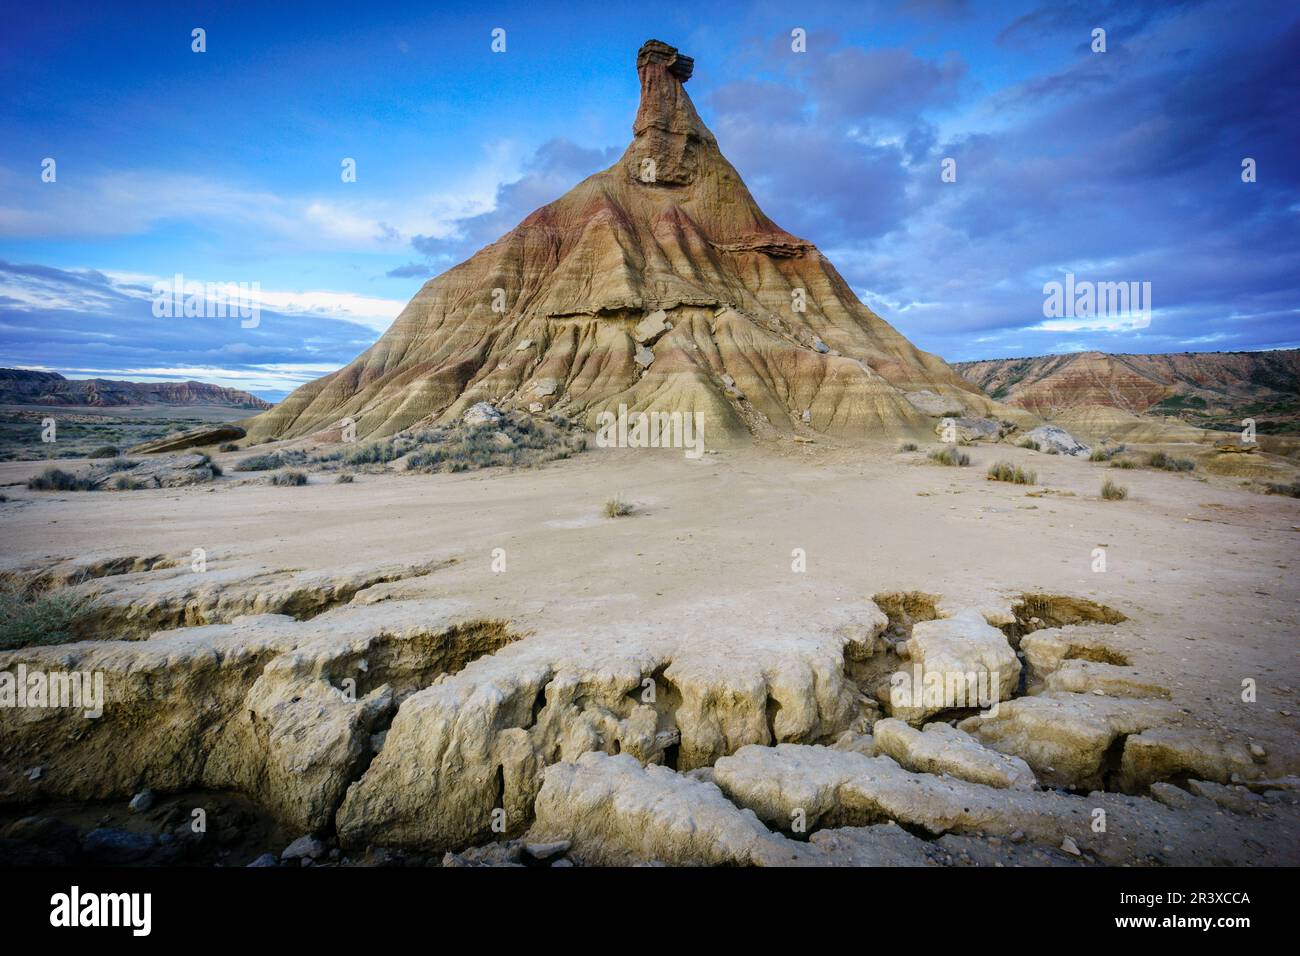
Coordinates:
(578, 275)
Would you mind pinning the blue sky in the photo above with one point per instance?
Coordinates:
(224, 166)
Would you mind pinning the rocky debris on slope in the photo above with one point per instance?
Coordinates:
(1054, 437)
(481, 413)
(666, 247)
(193, 438)
(942, 749)
(972, 429)
(174, 471)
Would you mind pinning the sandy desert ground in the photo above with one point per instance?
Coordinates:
(701, 572)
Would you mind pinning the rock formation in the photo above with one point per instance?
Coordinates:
(657, 284)
(27, 387)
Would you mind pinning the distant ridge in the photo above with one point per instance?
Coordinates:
(1209, 389)
(29, 387)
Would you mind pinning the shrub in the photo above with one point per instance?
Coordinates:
(1113, 492)
(1004, 471)
(1125, 463)
(127, 483)
(617, 508)
(1053, 450)
(1031, 445)
(104, 451)
(1273, 488)
(1167, 463)
(271, 460)
(28, 617)
(907, 446)
(289, 478)
(344, 478)
(53, 479)
(228, 446)
(1099, 454)
(950, 456)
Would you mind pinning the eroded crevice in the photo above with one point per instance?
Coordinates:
(904, 609)
(1034, 611)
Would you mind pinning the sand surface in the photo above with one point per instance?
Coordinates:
(1203, 570)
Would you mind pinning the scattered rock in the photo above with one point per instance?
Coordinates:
(142, 802)
(266, 859)
(114, 847)
(193, 438)
(304, 848)
(943, 749)
(481, 413)
(649, 329)
(1055, 437)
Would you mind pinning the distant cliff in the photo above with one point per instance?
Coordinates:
(24, 387)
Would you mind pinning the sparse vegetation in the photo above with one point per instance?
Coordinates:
(120, 464)
(1031, 445)
(29, 616)
(617, 508)
(1126, 463)
(344, 478)
(1274, 488)
(950, 456)
(1168, 463)
(54, 479)
(518, 440)
(104, 451)
(1113, 492)
(907, 446)
(1005, 471)
(127, 483)
(271, 461)
(1100, 454)
(292, 478)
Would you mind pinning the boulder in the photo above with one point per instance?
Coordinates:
(942, 749)
(956, 662)
(1065, 738)
(481, 413)
(193, 438)
(972, 429)
(1166, 753)
(1055, 437)
(173, 471)
(649, 329)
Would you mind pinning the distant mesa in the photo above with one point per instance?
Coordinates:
(758, 330)
(28, 387)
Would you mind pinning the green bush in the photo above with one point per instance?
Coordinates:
(29, 618)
